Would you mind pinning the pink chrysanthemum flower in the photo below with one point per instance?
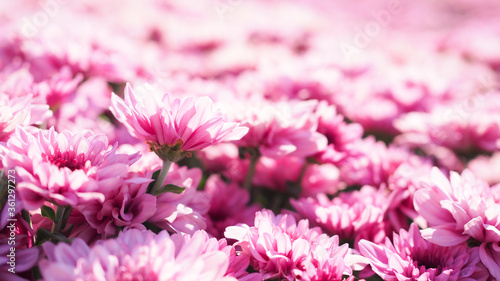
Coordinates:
(457, 209)
(402, 184)
(352, 216)
(280, 247)
(459, 126)
(173, 128)
(228, 206)
(486, 168)
(411, 257)
(371, 162)
(64, 168)
(461, 208)
(393, 85)
(342, 137)
(136, 255)
(127, 206)
(14, 113)
(270, 173)
(324, 178)
(19, 111)
(220, 158)
(279, 129)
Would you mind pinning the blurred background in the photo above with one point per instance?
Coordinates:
(388, 65)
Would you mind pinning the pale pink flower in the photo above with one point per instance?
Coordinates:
(352, 215)
(270, 173)
(85, 110)
(291, 77)
(280, 247)
(395, 84)
(461, 208)
(238, 264)
(16, 80)
(278, 129)
(64, 168)
(173, 128)
(228, 206)
(80, 49)
(220, 157)
(402, 184)
(18, 103)
(457, 209)
(486, 168)
(411, 257)
(15, 111)
(324, 178)
(464, 126)
(371, 162)
(136, 255)
(59, 88)
(476, 40)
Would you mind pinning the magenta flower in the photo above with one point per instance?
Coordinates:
(64, 168)
(136, 255)
(173, 128)
(342, 137)
(279, 247)
(228, 206)
(411, 257)
(127, 206)
(14, 263)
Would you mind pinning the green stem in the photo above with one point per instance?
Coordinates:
(161, 177)
(254, 159)
(60, 218)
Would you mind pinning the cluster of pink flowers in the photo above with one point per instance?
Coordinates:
(250, 140)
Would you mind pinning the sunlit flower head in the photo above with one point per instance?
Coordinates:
(64, 168)
(173, 128)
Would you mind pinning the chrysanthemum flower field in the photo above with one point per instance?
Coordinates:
(250, 140)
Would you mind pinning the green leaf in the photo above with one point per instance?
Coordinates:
(170, 188)
(151, 184)
(48, 212)
(66, 215)
(27, 217)
(42, 235)
(156, 229)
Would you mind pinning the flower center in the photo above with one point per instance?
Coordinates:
(430, 260)
(67, 159)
